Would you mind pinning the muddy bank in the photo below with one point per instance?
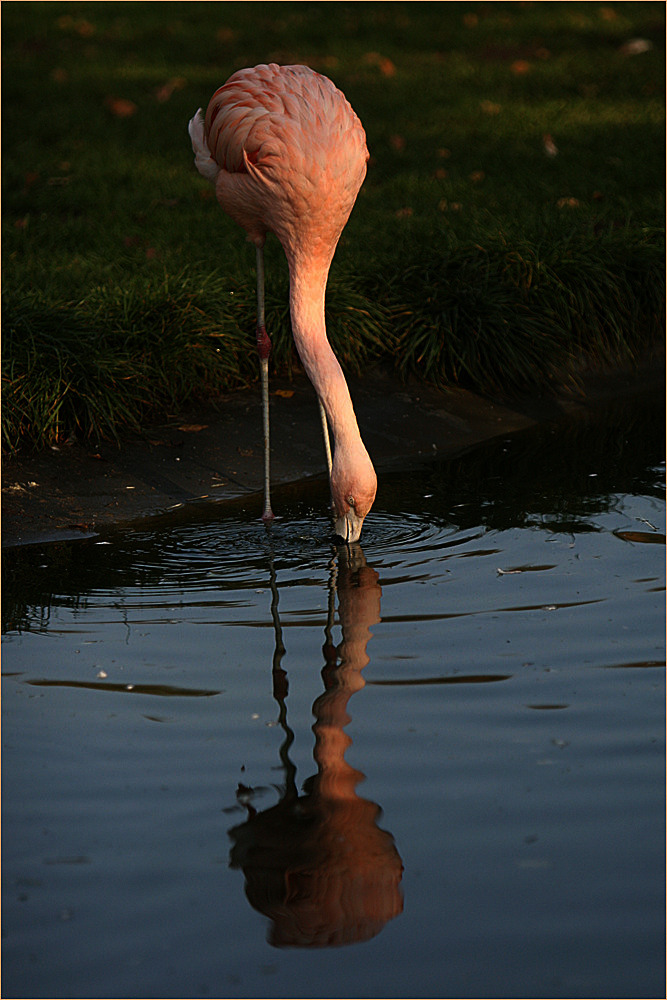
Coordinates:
(215, 454)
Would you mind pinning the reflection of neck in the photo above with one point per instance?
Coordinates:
(359, 607)
(318, 864)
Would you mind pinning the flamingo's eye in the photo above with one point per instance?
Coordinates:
(350, 500)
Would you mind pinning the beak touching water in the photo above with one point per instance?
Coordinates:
(348, 526)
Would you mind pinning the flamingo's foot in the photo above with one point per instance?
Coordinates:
(268, 516)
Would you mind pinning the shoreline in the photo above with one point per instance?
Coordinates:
(214, 453)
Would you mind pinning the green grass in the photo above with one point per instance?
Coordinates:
(472, 256)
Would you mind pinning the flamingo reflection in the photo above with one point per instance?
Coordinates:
(317, 863)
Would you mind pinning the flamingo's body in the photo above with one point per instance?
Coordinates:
(288, 155)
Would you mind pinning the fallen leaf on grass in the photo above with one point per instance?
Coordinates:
(386, 66)
(246, 452)
(79, 25)
(120, 107)
(284, 393)
(520, 67)
(192, 428)
(550, 147)
(164, 92)
(567, 203)
(636, 46)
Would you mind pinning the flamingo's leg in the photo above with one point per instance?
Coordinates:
(325, 434)
(264, 350)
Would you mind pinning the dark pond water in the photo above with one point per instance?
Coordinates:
(238, 763)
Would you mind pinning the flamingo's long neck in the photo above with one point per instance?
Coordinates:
(308, 281)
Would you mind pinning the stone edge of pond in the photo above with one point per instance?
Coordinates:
(213, 454)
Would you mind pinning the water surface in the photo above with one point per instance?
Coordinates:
(242, 763)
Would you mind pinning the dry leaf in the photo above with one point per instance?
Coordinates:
(386, 66)
(79, 25)
(567, 203)
(650, 537)
(120, 107)
(520, 67)
(490, 107)
(477, 176)
(550, 147)
(192, 428)
(164, 92)
(284, 393)
(84, 28)
(636, 46)
(246, 452)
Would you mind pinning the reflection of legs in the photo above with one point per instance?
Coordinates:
(264, 350)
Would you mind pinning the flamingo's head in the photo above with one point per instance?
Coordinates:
(353, 494)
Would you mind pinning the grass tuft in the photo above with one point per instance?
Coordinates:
(507, 319)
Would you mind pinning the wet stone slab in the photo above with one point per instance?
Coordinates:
(215, 453)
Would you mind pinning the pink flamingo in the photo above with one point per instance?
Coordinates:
(288, 155)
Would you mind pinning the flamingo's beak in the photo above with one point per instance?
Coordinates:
(348, 526)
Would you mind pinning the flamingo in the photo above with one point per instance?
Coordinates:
(287, 155)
